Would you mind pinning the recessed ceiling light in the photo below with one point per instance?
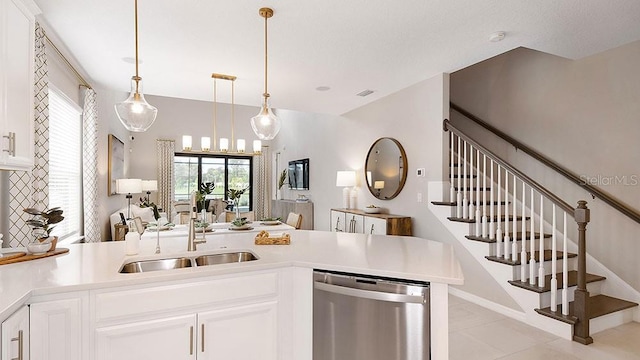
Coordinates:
(323, 88)
(497, 36)
(130, 60)
(364, 93)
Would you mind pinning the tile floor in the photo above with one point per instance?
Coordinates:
(477, 333)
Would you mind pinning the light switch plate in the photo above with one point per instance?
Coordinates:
(420, 172)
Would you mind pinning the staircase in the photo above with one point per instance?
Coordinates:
(520, 233)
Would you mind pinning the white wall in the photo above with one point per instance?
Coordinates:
(582, 114)
(414, 117)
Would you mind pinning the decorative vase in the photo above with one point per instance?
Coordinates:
(237, 209)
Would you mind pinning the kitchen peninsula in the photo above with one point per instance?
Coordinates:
(110, 315)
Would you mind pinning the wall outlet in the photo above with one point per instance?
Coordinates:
(420, 172)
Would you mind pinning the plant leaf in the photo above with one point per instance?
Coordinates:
(32, 211)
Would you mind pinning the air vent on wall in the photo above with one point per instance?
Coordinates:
(364, 93)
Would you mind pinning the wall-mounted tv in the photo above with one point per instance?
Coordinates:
(299, 174)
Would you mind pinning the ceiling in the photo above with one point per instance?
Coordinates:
(349, 46)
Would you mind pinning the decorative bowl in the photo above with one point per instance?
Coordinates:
(38, 248)
(372, 210)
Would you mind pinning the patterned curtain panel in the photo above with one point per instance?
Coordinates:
(166, 170)
(262, 184)
(30, 188)
(90, 167)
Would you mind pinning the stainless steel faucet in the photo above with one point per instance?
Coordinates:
(191, 245)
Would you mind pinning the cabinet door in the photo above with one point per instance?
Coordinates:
(18, 93)
(375, 226)
(56, 330)
(239, 333)
(170, 338)
(355, 223)
(337, 221)
(15, 336)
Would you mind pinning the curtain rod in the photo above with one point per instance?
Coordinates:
(82, 80)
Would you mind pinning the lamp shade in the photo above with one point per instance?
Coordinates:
(257, 146)
(129, 186)
(346, 178)
(205, 143)
(149, 185)
(186, 142)
(378, 184)
(135, 113)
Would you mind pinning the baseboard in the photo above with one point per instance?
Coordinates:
(500, 309)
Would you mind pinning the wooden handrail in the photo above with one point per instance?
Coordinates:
(539, 188)
(594, 191)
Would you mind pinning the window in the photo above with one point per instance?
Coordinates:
(65, 163)
(226, 172)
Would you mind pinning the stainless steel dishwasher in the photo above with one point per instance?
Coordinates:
(357, 317)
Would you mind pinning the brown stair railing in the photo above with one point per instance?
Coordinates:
(494, 209)
(594, 191)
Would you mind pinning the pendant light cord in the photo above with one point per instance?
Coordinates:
(137, 78)
(266, 92)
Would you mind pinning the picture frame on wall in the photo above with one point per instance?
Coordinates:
(116, 163)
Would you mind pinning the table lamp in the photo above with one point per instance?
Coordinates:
(346, 179)
(128, 187)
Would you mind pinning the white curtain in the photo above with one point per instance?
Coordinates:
(262, 207)
(30, 188)
(90, 167)
(166, 170)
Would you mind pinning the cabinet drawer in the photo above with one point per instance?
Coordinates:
(147, 300)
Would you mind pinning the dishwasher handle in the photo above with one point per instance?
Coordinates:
(368, 294)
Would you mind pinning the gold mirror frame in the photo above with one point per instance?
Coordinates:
(392, 178)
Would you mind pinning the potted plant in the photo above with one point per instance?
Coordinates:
(234, 195)
(281, 180)
(201, 195)
(42, 224)
(145, 202)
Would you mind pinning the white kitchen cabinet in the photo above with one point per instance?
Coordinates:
(171, 338)
(15, 336)
(56, 329)
(16, 84)
(226, 317)
(357, 221)
(239, 333)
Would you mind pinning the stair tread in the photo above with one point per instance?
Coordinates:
(469, 176)
(453, 203)
(468, 188)
(599, 305)
(536, 256)
(495, 219)
(573, 281)
(517, 237)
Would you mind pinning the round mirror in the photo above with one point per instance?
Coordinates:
(386, 168)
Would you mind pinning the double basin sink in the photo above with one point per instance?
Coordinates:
(141, 266)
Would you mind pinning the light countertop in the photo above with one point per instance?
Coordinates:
(96, 265)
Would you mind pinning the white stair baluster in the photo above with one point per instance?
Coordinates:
(507, 239)
(532, 245)
(478, 203)
(492, 207)
(471, 206)
(499, 229)
(459, 195)
(484, 197)
(523, 252)
(465, 201)
(554, 264)
(514, 233)
(541, 280)
(565, 272)
(452, 194)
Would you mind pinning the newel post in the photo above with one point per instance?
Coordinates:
(581, 295)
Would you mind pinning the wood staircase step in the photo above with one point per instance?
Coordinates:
(495, 219)
(536, 255)
(469, 176)
(518, 237)
(599, 305)
(468, 188)
(573, 281)
(450, 203)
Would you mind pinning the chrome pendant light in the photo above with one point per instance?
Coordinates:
(135, 113)
(266, 124)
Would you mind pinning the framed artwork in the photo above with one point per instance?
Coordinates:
(116, 163)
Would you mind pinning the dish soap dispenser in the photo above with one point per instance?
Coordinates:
(132, 241)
